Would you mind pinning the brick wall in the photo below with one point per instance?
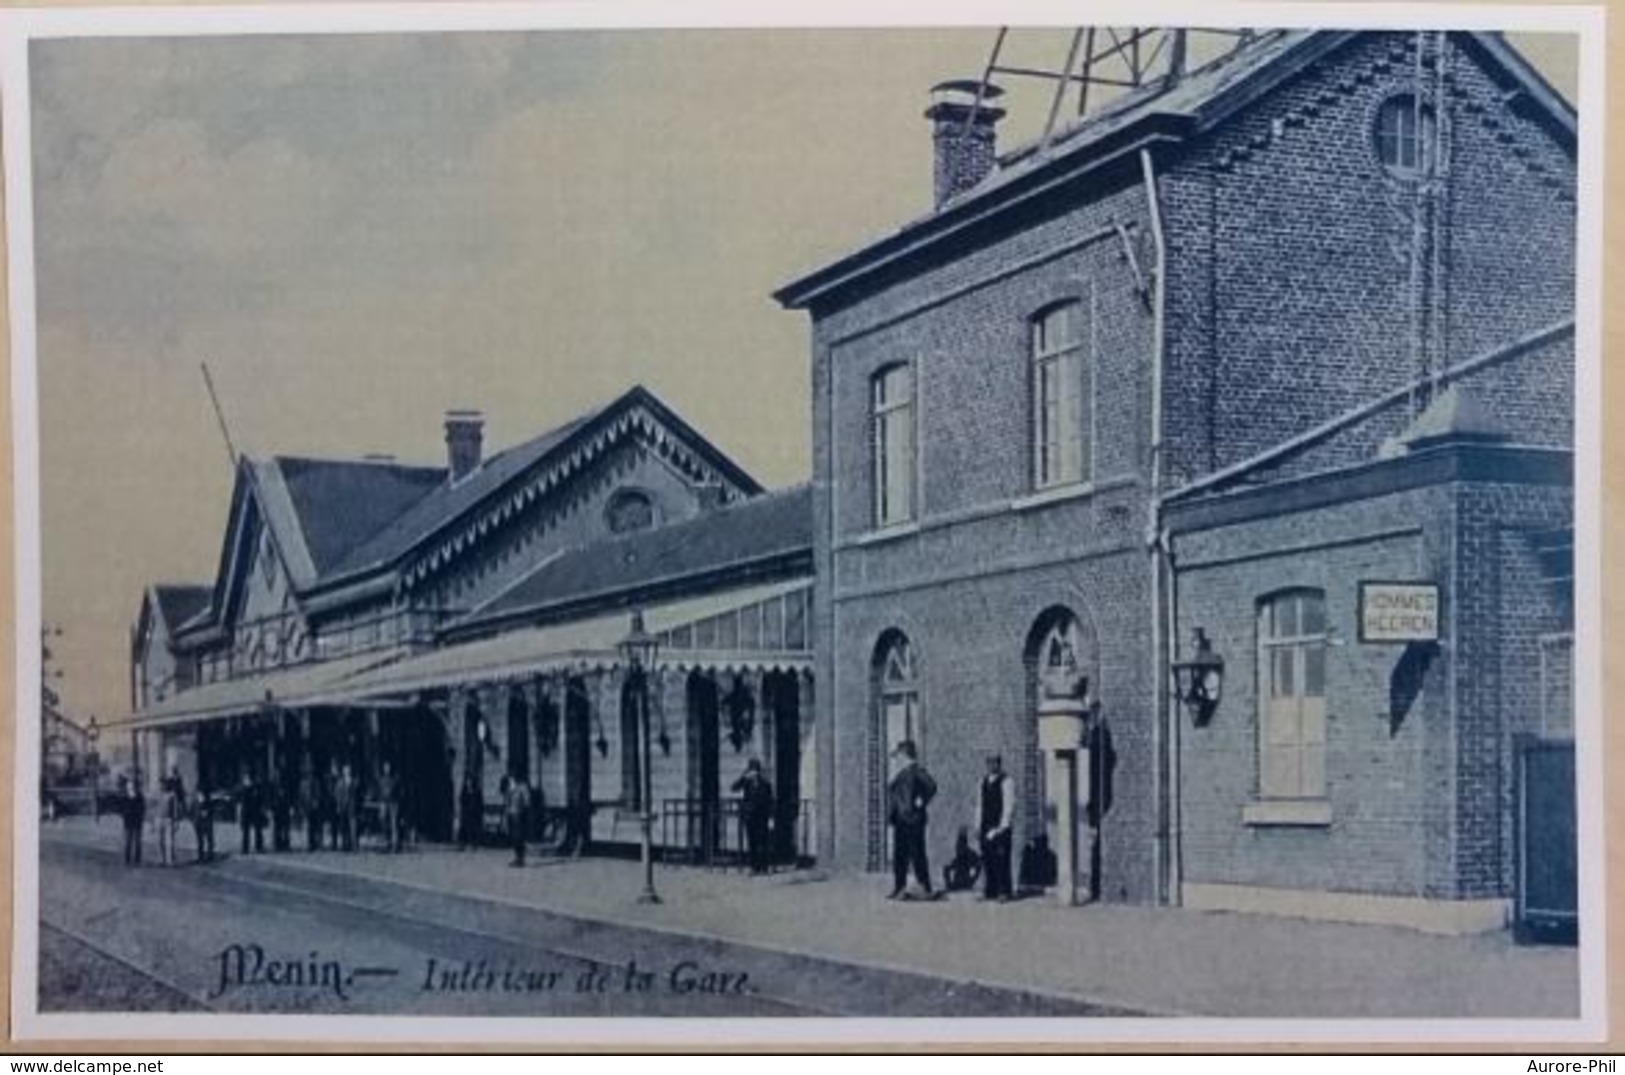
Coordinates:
(1288, 304)
(1421, 806)
(969, 585)
(1389, 823)
(1288, 278)
(977, 696)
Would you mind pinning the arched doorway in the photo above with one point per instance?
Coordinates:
(897, 716)
(1060, 655)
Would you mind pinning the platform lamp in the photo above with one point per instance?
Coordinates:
(638, 649)
(93, 732)
(1199, 680)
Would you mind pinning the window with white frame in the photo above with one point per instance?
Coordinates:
(1063, 391)
(1292, 695)
(892, 430)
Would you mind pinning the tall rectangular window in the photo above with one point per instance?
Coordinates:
(1292, 696)
(892, 429)
(1063, 396)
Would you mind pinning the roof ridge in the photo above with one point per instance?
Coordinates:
(348, 461)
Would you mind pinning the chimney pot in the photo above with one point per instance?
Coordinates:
(964, 121)
(465, 439)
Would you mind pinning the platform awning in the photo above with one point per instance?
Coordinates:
(314, 683)
(584, 645)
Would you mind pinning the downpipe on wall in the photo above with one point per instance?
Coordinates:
(1164, 723)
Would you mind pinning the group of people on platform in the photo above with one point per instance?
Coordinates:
(908, 799)
(331, 807)
(336, 807)
(175, 809)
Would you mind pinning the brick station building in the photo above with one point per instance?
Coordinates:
(1259, 351)
(462, 622)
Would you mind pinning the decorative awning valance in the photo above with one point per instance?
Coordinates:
(313, 683)
(590, 644)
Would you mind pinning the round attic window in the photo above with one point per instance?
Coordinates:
(629, 510)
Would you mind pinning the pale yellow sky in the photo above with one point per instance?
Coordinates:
(357, 234)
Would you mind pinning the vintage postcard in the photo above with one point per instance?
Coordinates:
(613, 521)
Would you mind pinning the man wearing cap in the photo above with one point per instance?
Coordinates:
(907, 797)
(755, 813)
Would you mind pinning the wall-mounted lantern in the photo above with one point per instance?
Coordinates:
(1199, 680)
(741, 716)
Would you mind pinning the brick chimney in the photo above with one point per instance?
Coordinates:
(465, 439)
(963, 134)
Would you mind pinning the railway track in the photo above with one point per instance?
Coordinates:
(96, 979)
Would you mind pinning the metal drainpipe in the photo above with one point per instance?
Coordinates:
(1162, 732)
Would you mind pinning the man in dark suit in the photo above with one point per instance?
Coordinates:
(996, 809)
(756, 813)
(907, 797)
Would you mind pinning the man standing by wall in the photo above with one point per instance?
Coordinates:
(997, 809)
(756, 812)
(907, 798)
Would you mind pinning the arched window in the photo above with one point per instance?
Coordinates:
(628, 510)
(1292, 695)
(1057, 661)
(1063, 396)
(899, 695)
(1405, 133)
(892, 441)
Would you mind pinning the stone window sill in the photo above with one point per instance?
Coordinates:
(1053, 495)
(1303, 813)
(889, 533)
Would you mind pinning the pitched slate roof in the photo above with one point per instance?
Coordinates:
(447, 501)
(340, 504)
(1199, 100)
(178, 603)
(762, 528)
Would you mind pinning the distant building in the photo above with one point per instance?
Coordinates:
(1280, 350)
(462, 622)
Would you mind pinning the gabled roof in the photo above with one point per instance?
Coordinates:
(450, 500)
(1161, 112)
(763, 530)
(499, 476)
(340, 504)
(176, 603)
(338, 523)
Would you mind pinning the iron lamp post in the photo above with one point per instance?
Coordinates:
(638, 649)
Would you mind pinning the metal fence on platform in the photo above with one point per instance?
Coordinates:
(694, 832)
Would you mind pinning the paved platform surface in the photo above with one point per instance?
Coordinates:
(253, 935)
(1154, 960)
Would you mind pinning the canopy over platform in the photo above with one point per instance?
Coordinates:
(591, 644)
(312, 683)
